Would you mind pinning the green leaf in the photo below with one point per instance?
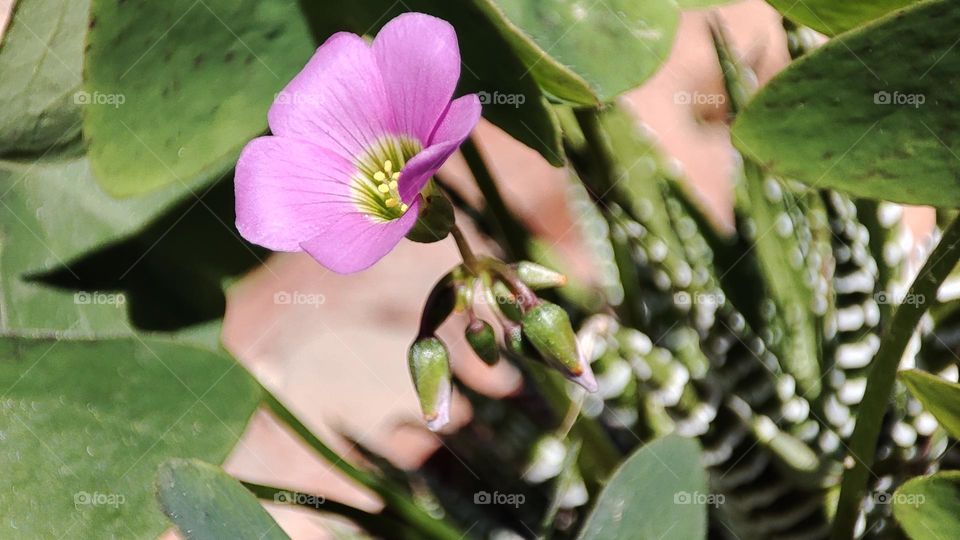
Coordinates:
(490, 67)
(566, 43)
(177, 88)
(41, 58)
(74, 259)
(206, 503)
(939, 396)
(85, 424)
(831, 17)
(926, 506)
(842, 117)
(658, 493)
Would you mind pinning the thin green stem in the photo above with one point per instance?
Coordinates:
(466, 252)
(513, 235)
(883, 372)
(378, 524)
(397, 503)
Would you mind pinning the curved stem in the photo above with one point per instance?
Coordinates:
(513, 236)
(397, 503)
(373, 523)
(863, 443)
(469, 259)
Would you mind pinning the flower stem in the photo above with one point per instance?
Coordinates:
(395, 501)
(883, 373)
(466, 253)
(512, 234)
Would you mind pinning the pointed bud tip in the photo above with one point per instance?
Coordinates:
(586, 380)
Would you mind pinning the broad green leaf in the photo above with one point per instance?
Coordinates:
(73, 259)
(939, 396)
(658, 493)
(832, 17)
(84, 425)
(177, 88)
(565, 43)
(872, 112)
(41, 58)
(927, 506)
(206, 503)
(490, 67)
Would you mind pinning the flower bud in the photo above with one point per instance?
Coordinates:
(483, 341)
(506, 301)
(429, 364)
(548, 328)
(539, 277)
(436, 217)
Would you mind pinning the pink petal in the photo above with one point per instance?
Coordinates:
(451, 131)
(288, 189)
(354, 242)
(338, 101)
(419, 58)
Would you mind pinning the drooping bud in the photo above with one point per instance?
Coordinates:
(436, 217)
(548, 328)
(483, 341)
(429, 364)
(539, 277)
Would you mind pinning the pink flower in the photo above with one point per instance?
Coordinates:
(356, 136)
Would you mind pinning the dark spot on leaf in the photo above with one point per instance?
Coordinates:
(228, 57)
(273, 34)
(248, 60)
(197, 60)
(93, 22)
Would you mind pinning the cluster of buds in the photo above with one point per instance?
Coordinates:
(531, 327)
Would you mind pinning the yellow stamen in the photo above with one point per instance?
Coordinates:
(391, 202)
(404, 207)
(393, 184)
(382, 188)
(388, 166)
(379, 176)
(396, 175)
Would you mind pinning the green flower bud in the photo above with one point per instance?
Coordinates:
(483, 341)
(506, 301)
(539, 277)
(436, 217)
(429, 364)
(548, 328)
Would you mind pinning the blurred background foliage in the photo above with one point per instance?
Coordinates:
(732, 362)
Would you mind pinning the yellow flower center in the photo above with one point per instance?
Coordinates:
(375, 187)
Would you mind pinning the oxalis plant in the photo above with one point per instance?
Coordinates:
(793, 376)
